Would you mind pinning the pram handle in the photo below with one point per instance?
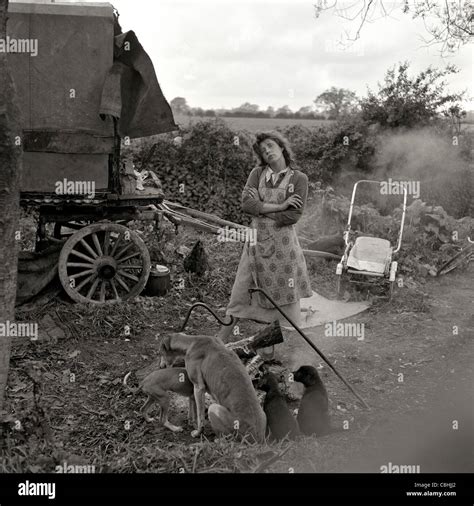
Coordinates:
(351, 209)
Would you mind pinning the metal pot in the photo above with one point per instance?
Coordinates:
(159, 282)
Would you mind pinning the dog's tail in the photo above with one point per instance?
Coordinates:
(127, 387)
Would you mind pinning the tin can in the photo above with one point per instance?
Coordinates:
(159, 282)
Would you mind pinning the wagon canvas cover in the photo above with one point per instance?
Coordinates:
(82, 72)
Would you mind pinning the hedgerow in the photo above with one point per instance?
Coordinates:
(206, 164)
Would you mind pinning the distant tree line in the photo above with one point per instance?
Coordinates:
(332, 104)
(404, 100)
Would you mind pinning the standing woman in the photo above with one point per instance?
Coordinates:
(275, 195)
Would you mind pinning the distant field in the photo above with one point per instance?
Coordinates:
(258, 124)
(255, 124)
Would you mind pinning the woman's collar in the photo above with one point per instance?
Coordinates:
(269, 169)
(269, 172)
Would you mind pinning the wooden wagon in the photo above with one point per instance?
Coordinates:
(84, 88)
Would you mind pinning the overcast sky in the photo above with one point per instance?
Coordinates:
(222, 53)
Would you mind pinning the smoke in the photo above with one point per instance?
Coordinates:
(422, 156)
(418, 153)
(432, 166)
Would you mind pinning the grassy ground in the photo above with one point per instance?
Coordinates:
(80, 413)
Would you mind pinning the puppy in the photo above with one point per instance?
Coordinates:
(157, 385)
(280, 421)
(313, 415)
(214, 368)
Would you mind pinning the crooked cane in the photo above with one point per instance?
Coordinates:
(201, 304)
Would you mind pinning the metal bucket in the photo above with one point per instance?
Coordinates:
(159, 282)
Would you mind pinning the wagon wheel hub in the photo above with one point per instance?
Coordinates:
(106, 267)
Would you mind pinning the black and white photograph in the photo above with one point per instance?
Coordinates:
(236, 239)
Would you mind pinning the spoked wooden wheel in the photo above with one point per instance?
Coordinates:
(105, 262)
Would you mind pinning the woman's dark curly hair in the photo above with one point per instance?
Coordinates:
(280, 140)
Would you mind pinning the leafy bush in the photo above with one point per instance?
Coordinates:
(210, 166)
(404, 101)
(325, 153)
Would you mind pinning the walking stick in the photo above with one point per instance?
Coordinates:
(201, 304)
(315, 348)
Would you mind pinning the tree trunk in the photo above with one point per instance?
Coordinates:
(10, 170)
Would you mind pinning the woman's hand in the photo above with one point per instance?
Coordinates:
(253, 192)
(293, 201)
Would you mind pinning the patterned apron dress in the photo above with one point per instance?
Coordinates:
(275, 263)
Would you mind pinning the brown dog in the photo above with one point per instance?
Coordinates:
(157, 385)
(213, 368)
(313, 415)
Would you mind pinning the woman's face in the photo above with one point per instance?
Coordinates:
(270, 150)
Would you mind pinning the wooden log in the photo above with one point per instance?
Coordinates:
(320, 254)
(254, 365)
(330, 244)
(269, 336)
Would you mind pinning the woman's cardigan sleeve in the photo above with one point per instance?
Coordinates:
(249, 204)
(282, 218)
(292, 214)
